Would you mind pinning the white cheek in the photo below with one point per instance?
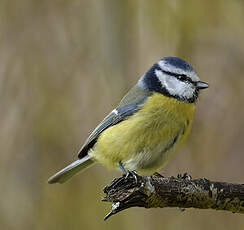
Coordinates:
(174, 86)
(179, 88)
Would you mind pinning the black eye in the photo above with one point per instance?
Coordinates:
(182, 77)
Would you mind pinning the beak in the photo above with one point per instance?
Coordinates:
(201, 85)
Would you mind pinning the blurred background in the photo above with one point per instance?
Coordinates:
(64, 65)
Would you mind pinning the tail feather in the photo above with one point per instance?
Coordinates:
(69, 171)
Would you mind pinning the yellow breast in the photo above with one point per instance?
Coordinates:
(146, 139)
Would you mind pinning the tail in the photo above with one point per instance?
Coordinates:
(69, 171)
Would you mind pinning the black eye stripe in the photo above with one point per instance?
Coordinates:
(181, 77)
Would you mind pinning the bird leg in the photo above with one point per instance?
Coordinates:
(124, 171)
(128, 173)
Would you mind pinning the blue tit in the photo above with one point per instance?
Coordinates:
(150, 123)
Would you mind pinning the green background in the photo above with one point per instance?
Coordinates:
(65, 64)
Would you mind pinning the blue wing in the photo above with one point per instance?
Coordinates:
(120, 113)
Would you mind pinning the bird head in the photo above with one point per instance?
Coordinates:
(173, 77)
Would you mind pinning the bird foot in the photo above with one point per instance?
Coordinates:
(133, 174)
(185, 176)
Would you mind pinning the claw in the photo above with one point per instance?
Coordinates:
(185, 176)
(179, 176)
(132, 173)
(128, 173)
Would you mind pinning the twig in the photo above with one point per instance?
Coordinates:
(183, 192)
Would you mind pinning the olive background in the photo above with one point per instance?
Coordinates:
(64, 65)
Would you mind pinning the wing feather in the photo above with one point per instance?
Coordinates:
(120, 113)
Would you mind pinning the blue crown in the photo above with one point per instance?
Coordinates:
(177, 63)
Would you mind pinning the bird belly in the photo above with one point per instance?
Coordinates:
(146, 140)
(151, 158)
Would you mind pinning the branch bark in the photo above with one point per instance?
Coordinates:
(183, 192)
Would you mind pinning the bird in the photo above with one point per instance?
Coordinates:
(148, 126)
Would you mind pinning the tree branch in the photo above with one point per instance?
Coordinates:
(183, 192)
